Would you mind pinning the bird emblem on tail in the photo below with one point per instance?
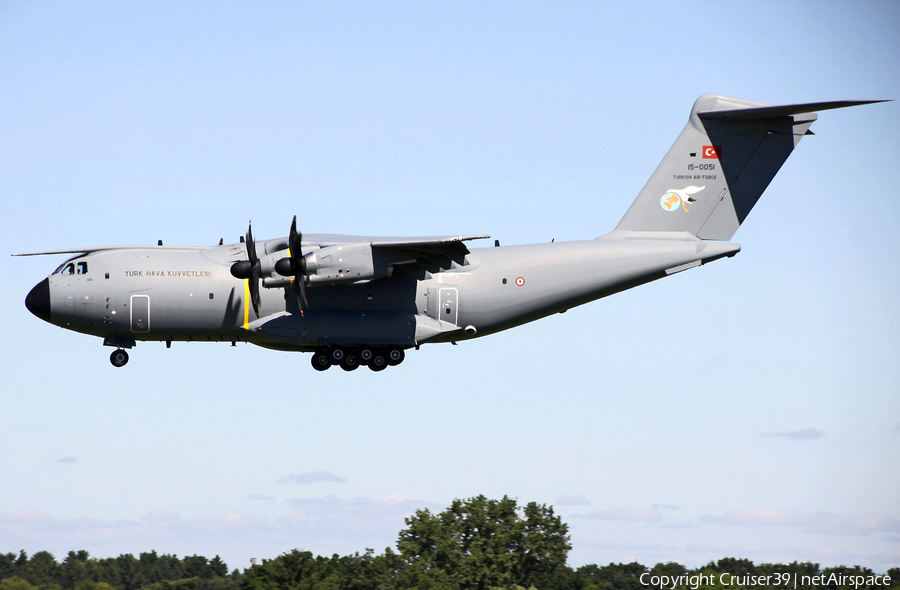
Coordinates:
(675, 197)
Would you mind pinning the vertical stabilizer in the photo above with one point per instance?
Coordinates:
(719, 166)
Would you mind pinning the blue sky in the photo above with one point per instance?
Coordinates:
(749, 408)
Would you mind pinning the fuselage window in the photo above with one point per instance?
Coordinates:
(82, 268)
(69, 269)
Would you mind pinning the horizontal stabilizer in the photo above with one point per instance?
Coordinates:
(787, 110)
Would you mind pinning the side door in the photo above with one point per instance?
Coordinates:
(449, 304)
(140, 313)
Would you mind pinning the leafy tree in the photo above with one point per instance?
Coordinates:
(615, 576)
(291, 571)
(156, 568)
(217, 568)
(480, 543)
(194, 584)
(845, 571)
(476, 544)
(16, 583)
(735, 567)
(7, 565)
(712, 580)
(798, 569)
(126, 572)
(41, 569)
(670, 569)
(196, 566)
(74, 569)
(357, 572)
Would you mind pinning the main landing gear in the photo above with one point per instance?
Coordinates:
(118, 358)
(349, 359)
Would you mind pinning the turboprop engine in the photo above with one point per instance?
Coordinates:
(346, 263)
(329, 265)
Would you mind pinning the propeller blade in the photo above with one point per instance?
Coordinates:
(298, 263)
(295, 265)
(301, 281)
(251, 246)
(249, 270)
(254, 288)
(254, 269)
(295, 239)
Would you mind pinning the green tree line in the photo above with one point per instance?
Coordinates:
(475, 544)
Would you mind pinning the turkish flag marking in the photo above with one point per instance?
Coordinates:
(712, 151)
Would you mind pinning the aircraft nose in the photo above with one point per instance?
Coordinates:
(38, 300)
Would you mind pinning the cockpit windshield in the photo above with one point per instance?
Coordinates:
(72, 267)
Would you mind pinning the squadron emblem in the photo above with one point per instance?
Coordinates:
(675, 197)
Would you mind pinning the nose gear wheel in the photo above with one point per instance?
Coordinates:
(118, 358)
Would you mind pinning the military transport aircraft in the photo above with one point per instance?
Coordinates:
(353, 300)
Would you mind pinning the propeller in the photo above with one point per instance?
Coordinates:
(249, 269)
(295, 265)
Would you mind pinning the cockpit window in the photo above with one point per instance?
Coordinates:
(73, 267)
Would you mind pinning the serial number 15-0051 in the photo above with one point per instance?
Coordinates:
(701, 166)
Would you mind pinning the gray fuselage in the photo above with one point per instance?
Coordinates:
(188, 294)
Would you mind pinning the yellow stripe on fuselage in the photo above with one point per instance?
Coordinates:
(246, 304)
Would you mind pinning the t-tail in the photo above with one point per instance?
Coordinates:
(728, 153)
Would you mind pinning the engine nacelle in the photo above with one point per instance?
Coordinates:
(346, 263)
(342, 264)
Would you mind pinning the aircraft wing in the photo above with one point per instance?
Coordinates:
(338, 239)
(92, 249)
(431, 254)
(69, 251)
(445, 243)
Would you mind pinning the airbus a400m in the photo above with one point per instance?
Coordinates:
(353, 300)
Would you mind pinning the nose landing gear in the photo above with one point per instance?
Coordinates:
(118, 358)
